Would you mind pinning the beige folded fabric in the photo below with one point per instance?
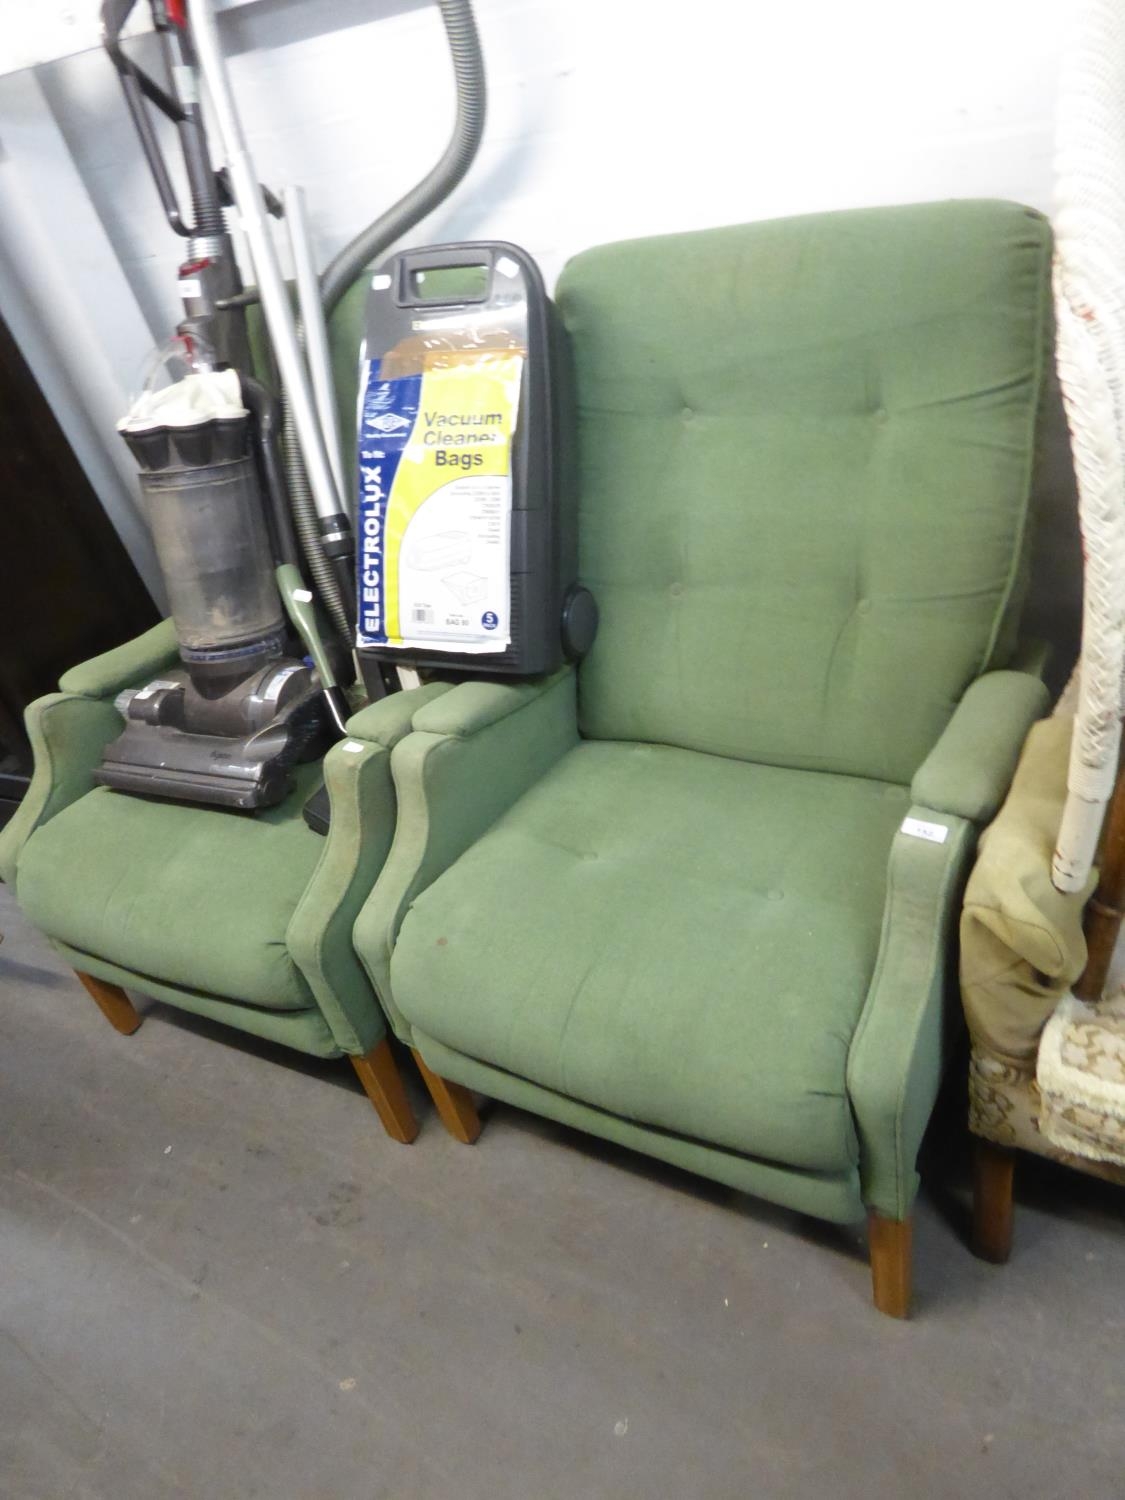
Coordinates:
(1021, 940)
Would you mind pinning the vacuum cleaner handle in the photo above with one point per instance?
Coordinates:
(138, 86)
(114, 15)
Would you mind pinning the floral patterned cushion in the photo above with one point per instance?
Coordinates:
(1081, 1078)
(1006, 1106)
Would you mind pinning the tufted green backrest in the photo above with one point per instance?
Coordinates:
(805, 452)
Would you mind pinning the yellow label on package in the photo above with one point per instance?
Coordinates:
(435, 503)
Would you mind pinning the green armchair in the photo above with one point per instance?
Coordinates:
(246, 920)
(243, 919)
(699, 894)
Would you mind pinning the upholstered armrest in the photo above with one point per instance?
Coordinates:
(68, 735)
(476, 706)
(969, 770)
(130, 665)
(385, 721)
(472, 754)
(357, 773)
(912, 1010)
(70, 729)
(909, 1019)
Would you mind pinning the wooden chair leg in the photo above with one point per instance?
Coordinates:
(113, 1003)
(891, 1242)
(993, 1169)
(454, 1104)
(382, 1083)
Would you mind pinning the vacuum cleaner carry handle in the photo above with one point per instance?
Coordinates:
(114, 15)
(137, 85)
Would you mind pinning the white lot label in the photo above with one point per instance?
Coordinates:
(918, 828)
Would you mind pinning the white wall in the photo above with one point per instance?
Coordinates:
(607, 118)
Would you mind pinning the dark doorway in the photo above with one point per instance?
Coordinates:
(68, 588)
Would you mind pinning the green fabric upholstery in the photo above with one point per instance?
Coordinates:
(970, 768)
(194, 896)
(645, 904)
(130, 665)
(450, 787)
(245, 919)
(69, 730)
(389, 719)
(357, 773)
(681, 907)
(827, 1195)
(911, 1015)
(303, 1030)
(67, 735)
(480, 705)
(805, 465)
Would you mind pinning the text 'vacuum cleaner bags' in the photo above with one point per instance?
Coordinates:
(435, 502)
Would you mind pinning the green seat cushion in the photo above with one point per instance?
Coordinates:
(680, 939)
(190, 896)
(806, 450)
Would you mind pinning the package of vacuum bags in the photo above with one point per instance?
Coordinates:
(435, 501)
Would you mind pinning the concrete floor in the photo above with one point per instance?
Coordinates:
(219, 1279)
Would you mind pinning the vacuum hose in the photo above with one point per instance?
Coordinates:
(468, 69)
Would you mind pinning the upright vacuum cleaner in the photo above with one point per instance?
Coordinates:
(232, 478)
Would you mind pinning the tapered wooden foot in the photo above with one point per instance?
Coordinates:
(382, 1083)
(113, 1003)
(891, 1242)
(993, 1169)
(454, 1104)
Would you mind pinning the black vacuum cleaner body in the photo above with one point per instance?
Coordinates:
(275, 717)
(225, 728)
(466, 556)
(156, 755)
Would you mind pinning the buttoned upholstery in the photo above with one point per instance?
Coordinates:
(599, 954)
(806, 456)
